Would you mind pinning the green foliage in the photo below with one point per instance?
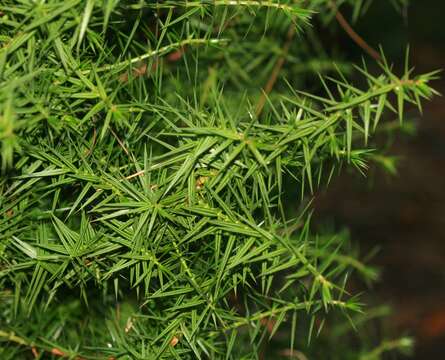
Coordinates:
(147, 210)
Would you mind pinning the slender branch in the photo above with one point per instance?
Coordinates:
(93, 143)
(12, 337)
(276, 311)
(157, 52)
(276, 70)
(121, 144)
(249, 3)
(352, 34)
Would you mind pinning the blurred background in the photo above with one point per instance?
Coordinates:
(404, 215)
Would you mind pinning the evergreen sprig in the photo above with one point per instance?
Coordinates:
(146, 207)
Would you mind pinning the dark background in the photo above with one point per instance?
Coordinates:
(404, 215)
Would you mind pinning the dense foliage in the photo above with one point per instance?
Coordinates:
(157, 161)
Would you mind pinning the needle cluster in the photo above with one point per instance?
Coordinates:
(147, 210)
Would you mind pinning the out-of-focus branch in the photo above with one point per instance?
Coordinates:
(352, 34)
(11, 337)
(276, 70)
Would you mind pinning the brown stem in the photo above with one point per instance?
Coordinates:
(353, 35)
(276, 70)
(93, 143)
(121, 144)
